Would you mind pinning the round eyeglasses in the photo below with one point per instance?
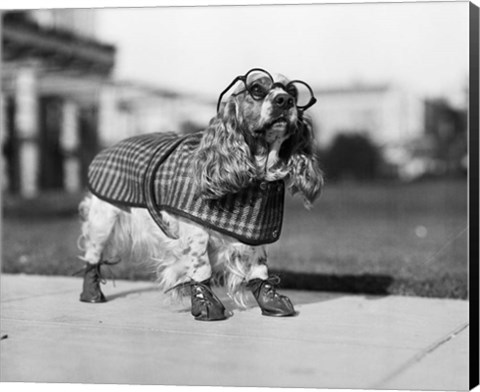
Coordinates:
(259, 82)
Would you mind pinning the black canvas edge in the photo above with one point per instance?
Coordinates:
(473, 167)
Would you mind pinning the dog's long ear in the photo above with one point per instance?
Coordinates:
(223, 162)
(305, 174)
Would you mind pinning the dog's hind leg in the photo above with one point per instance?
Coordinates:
(99, 218)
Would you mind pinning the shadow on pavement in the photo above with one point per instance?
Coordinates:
(327, 286)
(126, 293)
(355, 284)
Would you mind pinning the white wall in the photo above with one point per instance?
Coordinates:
(388, 115)
(125, 112)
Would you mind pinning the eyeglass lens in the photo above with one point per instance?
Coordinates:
(301, 92)
(258, 84)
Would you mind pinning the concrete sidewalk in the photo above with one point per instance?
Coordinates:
(336, 341)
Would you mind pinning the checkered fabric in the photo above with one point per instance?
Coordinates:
(155, 171)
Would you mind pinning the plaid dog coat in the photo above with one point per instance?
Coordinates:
(155, 171)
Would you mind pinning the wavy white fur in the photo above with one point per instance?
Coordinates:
(113, 233)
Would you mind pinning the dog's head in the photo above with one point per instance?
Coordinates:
(260, 133)
(264, 105)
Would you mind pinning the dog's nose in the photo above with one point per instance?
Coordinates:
(283, 101)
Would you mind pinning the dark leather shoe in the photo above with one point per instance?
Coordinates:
(271, 303)
(91, 284)
(205, 304)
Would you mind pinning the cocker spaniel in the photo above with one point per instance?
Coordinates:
(202, 207)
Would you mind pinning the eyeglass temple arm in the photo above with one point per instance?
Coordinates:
(238, 78)
(312, 102)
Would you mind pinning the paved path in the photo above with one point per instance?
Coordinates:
(342, 341)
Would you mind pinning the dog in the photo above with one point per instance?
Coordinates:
(201, 208)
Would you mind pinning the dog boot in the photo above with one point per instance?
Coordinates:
(271, 303)
(205, 304)
(91, 284)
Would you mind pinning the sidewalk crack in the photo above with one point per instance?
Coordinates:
(421, 355)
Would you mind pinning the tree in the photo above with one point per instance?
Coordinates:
(352, 155)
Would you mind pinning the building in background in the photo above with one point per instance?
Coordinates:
(406, 128)
(445, 139)
(385, 112)
(60, 103)
(53, 71)
(132, 108)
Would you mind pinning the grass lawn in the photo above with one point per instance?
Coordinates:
(408, 239)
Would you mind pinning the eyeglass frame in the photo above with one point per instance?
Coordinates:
(243, 79)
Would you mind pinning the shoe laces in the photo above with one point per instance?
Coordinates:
(199, 290)
(99, 277)
(270, 284)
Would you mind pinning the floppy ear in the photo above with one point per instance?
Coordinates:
(223, 162)
(305, 175)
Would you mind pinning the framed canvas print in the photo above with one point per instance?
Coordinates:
(261, 195)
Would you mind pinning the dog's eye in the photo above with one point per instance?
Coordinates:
(292, 90)
(257, 90)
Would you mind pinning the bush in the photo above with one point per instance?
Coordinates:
(352, 156)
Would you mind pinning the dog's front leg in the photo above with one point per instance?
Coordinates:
(197, 273)
(245, 263)
(263, 287)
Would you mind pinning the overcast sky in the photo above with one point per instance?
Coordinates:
(423, 46)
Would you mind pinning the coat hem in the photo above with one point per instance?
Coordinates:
(245, 240)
